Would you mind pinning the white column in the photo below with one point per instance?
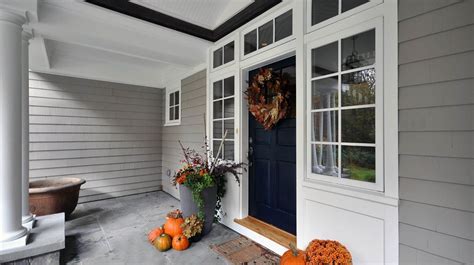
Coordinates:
(12, 233)
(27, 217)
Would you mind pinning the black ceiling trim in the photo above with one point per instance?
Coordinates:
(137, 11)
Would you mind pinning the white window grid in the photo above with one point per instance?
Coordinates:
(378, 145)
(222, 118)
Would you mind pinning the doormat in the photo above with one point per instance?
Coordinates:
(243, 251)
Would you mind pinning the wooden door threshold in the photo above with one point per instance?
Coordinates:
(267, 230)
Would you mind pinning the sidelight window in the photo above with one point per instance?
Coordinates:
(223, 117)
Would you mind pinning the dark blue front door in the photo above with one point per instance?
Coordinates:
(272, 170)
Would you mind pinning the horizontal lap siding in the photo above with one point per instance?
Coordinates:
(191, 130)
(436, 131)
(106, 133)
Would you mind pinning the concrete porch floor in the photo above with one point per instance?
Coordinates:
(114, 231)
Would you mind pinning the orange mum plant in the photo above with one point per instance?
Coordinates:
(322, 252)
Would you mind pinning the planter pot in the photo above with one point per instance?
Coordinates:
(195, 238)
(55, 195)
(189, 207)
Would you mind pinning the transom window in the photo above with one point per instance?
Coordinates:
(173, 109)
(223, 55)
(342, 109)
(322, 10)
(272, 31)
(223, 117)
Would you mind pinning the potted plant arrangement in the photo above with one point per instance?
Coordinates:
(202, 183)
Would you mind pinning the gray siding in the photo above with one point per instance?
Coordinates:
(191, 130)
(106, 133)
(436, 131)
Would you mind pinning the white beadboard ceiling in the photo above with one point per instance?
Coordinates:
(205, 13)
(74, 38)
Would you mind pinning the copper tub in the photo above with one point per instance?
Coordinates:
(54, 195)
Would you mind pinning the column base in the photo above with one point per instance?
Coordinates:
(29, 221)
(16, 243)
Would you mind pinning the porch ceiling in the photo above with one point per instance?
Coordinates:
(78, 39)
(206, 19)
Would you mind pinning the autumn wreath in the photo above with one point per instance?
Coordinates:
(268, 112)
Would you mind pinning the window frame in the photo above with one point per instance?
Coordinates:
(340, 16)
(377, 24)
(211, 111)
(173, 122)
(262, 21)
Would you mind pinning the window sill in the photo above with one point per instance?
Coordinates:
(351, 191)
(167, 124)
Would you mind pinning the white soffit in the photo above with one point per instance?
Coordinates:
(209, 14)
(78, 39)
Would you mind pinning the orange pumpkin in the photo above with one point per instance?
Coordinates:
(180, 242)
(293, 257)
(155, 233)
(163, 242)
(173, 223)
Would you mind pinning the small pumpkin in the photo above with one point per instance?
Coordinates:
(293, 257)
(155, 233)
(163, 242)
(180, 242)
(174, 220)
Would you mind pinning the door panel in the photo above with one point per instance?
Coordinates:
(272, 170)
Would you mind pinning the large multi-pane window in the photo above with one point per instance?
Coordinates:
(342, 108)
(223, 117)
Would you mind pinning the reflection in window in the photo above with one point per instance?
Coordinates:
(322, 10)
(229, 150)
(265, 34)
(358, 125)
(272, 31)
(217, 58)
(217, 89)
(217, 129)
(324, 60)
(358, 50)
(229, 52)
(284, 25)
(358, 163)
(324, 159)
(324, 126)
(358, 88)
(223, 55)
(173, 106)
(223, 117)
(250, 42)
(324, 93)
(217, 109)
(350, 4)
(343, 109)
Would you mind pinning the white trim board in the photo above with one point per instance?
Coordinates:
(374, 212)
